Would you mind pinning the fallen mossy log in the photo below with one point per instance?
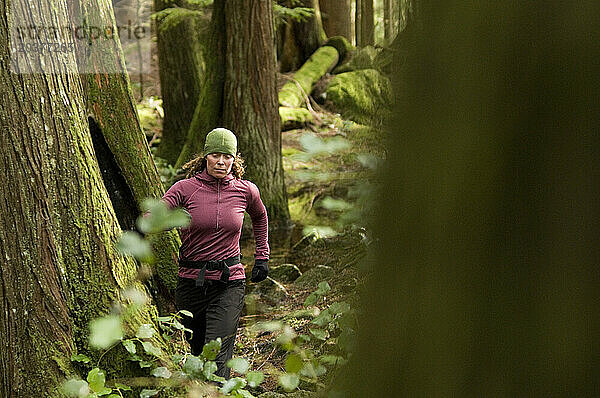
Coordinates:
(292, 118)
(294, 92)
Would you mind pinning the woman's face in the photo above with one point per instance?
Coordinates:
(219, 165)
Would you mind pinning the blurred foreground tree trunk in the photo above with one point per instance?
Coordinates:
(491, 282)
(337, 17)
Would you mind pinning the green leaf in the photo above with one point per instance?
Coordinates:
(129, 346)
(254, 378)
(339, 307)
(270, 326)
(288, 381)
(105, 331)
(244, 394)
(323, 319)
(211, 349)
(239, 365)
(164, 319)
(311, 299)
(122, 387)
(233, 384)
(332, 360)
(313, 370)
(151, 349)
(80, 358)
(178, 325)
(293, 363)
(145, 364)
(145, 331)
(96, 379)
(76, 388)
(193, 366)
(161, 372)
(319, 333)
(210, 368)
(322, 288)
(160, 218)
(114, 396)
(176, 358)
(131, 243)
(186, 313)
(104, 391)
(333, 204)
(148, 393)
(320, 231)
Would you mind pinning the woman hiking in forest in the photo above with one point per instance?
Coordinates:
(211, 279)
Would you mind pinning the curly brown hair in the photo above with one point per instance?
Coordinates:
(198, 164)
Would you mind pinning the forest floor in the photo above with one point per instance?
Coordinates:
(328, 172)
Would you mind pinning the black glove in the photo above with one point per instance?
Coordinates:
(260, 270)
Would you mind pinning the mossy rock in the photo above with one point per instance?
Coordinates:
(364, 96)
(363, 58)
(285, 273)
(313, 276)
(269, 292)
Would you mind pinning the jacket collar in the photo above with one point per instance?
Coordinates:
(205, 177)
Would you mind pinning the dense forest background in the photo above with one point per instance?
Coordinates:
(430, 173)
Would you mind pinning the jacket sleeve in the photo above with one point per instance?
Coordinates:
(260, 224)
(174, 196)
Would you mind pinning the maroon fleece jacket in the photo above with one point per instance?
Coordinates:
(217, 208)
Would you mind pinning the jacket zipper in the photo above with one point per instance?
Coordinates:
(218, 200)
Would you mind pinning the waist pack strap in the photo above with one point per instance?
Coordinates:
(212, 265)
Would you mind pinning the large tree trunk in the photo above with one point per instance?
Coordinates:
(488, 216)
(251, 108)
(57, 225)
(121, 148)
(301, 39)
(367, 23)
(181, 34)
(337, 17)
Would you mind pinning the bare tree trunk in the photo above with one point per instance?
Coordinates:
(57, 225)
(367, 23)
(337, 18)
(358, 22)
(388, 21)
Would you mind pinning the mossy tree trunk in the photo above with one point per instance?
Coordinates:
(181, 34)
(128, 170)
(337, 17)
(239, 93)
(301, 38)
(251, 107)
(57, 225)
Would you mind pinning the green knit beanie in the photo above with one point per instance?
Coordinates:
(220, 140)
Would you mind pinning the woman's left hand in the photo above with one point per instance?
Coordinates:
(260, 270)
